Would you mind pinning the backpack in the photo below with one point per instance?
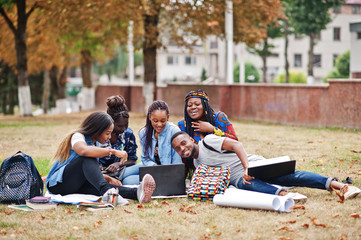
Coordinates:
(19, 179)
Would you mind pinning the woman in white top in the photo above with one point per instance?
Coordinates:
(76, 168)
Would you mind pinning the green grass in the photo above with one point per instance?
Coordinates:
(327, 151)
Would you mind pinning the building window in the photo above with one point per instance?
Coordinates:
(190, 60)
(214, 45)
(337, 9)
(298, 60)
(355, 9)
(317, 60)
(275, 55)
(334, 57)
(358, 35)
(172, 60)
(336, 34)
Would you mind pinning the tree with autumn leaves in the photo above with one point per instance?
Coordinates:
(91, 29)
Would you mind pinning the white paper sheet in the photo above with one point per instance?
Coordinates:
(72, 198)
(254, 200)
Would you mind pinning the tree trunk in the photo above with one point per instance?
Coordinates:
(86, 66)
(310, 59)
(21, 58)
(150, 58)
(287, 66)
(264, 60)
(46, 91)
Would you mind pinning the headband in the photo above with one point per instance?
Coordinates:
(197, 94)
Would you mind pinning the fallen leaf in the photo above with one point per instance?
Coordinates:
(298, 207)
(341, 196)
(133, 236)
(238, 230)
(286, 229)
(291, 222)
(166, 203)
(3, 231)
(214, 227)
(335, 216)
(354, 151)
(97, 224)
(68, 210)
(169, 212)
(317, 223)
(319, 141)
(355, 215)
(75, 228)
(155, 203)
(341, 160)
(218, 234)
(310, 142)
(7, 213)
(125, 210)
(140, 206)
(306, 225)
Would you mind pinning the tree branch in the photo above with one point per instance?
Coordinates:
(31, 10)
(7, 19)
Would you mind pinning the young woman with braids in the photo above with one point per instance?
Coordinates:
(155, 137)
(76, 169)
(201, 120)
(122, 139)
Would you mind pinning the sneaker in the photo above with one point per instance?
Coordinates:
(297, 197)
(352, 192)
(120, 202)
(146, 189)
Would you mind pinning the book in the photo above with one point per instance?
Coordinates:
(41, 206)
(95, 206)
(272, 167)
(22, 207)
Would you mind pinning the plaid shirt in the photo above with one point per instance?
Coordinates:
(127, 139)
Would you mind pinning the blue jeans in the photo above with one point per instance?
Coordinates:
(131, 175)
(297, 179)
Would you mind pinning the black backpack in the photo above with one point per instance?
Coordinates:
(19, 179)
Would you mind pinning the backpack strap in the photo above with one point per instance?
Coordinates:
(214, 150)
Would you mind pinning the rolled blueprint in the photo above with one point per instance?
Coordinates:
(253, 200)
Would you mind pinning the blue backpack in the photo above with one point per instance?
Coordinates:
(19, 179)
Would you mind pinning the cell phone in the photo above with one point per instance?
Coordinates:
(40, 199)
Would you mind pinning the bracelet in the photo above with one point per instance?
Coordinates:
(218, 132)
(110, 152)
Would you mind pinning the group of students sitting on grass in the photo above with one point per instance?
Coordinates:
(105, 144)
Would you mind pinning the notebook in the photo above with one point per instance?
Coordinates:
(169, 179)
(270, 168)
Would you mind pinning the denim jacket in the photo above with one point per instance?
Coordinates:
(56, 172)
(167, 154)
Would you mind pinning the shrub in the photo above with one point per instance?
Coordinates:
(251, 72)
(295, 77)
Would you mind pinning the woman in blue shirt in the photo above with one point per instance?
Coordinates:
(76, 168)
(155, 137)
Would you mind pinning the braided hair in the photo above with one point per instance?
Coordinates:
(157, 105)
(208, 112)
(117, 108)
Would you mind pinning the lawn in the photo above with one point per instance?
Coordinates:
(331, 152)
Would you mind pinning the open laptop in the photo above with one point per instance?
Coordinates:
(270, 168)
(169, 179)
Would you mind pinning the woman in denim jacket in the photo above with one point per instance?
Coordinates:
(76, 168)
(155, 137)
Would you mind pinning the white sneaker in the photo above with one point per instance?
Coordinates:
(352, 192)
(120, 202)
(297, 197)
(146, 189)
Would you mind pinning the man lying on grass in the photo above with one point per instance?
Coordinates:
(214, 154)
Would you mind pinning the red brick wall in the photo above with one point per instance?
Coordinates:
(336, 104)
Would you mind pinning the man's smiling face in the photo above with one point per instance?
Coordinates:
(184, 146)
